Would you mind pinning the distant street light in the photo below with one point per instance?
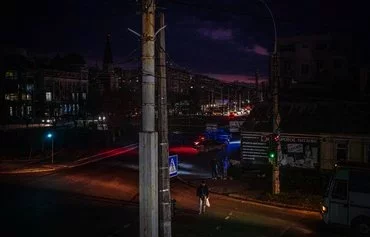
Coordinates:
(50, 136)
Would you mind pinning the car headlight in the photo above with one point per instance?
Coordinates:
(324, 209)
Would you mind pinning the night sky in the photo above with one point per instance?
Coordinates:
(229, 39)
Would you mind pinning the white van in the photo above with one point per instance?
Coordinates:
(347, 199)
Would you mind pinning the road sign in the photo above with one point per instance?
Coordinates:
(173, 162)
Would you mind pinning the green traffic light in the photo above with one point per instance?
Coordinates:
(272, 155)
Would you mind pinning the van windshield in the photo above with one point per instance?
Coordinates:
(328, 185)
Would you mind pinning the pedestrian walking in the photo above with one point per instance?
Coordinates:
(214, 167)
(202, 193)
(221, 157)
(226, 165)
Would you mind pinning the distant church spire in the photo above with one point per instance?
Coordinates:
(257, 77)
(108, 59)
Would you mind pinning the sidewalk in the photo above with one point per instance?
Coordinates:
(257, 190)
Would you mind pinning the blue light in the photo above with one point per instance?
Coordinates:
(50, 135)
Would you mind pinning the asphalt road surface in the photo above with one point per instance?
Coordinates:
(100, 199)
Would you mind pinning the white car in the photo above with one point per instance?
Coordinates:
(347, 199)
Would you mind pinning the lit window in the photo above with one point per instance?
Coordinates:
(73, 96)
(11, 75)
(29, 110)
(28, 97)
(48, 96)
(29, 87)
(11, 111)
(84, 96)
(11, 96)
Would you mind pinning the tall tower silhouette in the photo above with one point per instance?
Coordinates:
(108, 58)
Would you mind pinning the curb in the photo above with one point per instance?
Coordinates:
(256, 201)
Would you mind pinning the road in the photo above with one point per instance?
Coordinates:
(100, 199)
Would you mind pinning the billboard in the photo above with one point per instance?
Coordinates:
(296, 151)
(300, 151)
(254, 148)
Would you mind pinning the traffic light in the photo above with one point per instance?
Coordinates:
(272, 154)
(273, 145)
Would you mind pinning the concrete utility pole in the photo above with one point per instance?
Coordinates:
(148, 138)
(276, 123)
(275, 100)
(164, 179)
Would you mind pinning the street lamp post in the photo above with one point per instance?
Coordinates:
(50, 136)
(275, 99)
(274, 24)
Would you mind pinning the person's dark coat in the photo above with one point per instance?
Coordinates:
(214, 163)
(202, 191)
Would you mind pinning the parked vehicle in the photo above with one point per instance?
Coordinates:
(217, 113)
(219, 135)
(347, 198)
(208, 145)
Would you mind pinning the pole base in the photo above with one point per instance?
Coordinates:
(148, 183)
(276, 180)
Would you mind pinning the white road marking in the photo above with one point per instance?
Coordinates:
(297, 228)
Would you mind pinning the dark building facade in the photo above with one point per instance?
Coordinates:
(32, 93)
(323, 59)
